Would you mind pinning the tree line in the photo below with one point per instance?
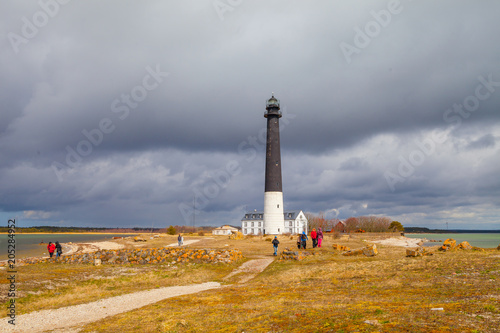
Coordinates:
(353, 224)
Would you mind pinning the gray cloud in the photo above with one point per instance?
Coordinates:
(346, 125)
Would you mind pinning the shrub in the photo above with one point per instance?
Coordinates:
(171, 230)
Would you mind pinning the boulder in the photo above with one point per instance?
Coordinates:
(370, 250)
(414, 252)
(418, 252)
(450, 242)
(353, 252)
(97, 262)
(340, 247)
(465, 246)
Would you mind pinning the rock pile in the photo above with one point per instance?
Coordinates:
(451, 244)
(144, 256)
(288, 254)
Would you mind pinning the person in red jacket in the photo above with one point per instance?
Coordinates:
(314, 237)
(51, 248)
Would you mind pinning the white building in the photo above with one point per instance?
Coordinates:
(295, 222)
(225, 230)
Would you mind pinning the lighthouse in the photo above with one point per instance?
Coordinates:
(273, 196)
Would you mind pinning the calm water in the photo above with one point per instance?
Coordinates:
(28, 245)
(479, 240)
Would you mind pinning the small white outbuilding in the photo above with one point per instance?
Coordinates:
(225, 230)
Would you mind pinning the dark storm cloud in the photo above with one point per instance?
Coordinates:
(90, 94)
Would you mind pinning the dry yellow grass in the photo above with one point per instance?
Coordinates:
(326, 292)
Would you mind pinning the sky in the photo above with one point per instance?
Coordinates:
(151, 113)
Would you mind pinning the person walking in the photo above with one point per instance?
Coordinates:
(51, 248)
(275, 245)
(299, 240)
(303, 240)
(180, 240)
(314, 237)
(320, 237)
(58, 249)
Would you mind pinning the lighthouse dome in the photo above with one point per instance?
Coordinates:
(273, 102)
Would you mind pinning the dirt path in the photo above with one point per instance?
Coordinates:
(68, 319)
(250, 269)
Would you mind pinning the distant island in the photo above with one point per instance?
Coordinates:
(420, 230)
(136, 230)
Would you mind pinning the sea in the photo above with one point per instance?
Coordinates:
(487, 240)
(35, 245)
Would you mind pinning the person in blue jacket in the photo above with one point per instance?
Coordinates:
(275, 245)
(304, 239)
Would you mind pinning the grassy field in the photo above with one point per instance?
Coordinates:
(326, 292)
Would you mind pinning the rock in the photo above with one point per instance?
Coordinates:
(370, 250)
(340, 247)
(353, 252)
(97, 262)
(139, 239)
(413, 253)
(372, 322)
(465, 246)
(450, 242)
(418, 252)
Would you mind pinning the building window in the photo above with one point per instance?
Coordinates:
(253, 216)
(253, 231)
(247, 216)
(290, 230)
(289, 214)
(260, 215)
(290, 224)
(245, 231)
(260, 224)
(244, 224)
(252, 224)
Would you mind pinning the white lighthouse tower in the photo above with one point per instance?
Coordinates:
(273, 195)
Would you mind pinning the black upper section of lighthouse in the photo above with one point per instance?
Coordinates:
(273, 154)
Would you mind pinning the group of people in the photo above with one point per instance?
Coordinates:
(57, 248)
(316, 236)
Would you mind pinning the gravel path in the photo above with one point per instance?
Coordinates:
(70, 316)
(68, 319)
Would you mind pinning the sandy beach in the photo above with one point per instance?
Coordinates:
(90, 247)
(400, 241)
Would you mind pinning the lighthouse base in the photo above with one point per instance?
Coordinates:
(274, 222)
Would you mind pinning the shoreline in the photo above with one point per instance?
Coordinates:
(72, 233)
(77, 248)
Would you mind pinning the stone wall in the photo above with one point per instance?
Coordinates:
(143, 256)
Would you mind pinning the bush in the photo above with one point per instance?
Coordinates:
(171, 230)
(201, 233)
